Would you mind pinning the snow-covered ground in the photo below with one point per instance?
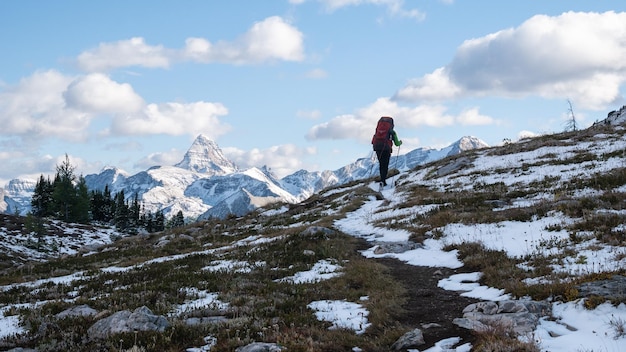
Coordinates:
(572, 328)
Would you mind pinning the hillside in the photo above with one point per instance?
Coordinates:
(512, 248)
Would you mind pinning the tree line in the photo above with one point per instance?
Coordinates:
(67, 198)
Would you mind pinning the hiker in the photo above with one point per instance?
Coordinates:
(382, 144)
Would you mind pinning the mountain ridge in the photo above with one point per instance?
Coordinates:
(205, 183)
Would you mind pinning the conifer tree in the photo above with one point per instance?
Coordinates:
(64, 194)
(81, 208)
(159, 221)
(121, 218)
(42, 202)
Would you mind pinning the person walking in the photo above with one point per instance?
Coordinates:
(384, 137)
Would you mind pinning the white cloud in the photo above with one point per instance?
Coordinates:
(35, 109)
(97, 93)
(171, 157)
(124, 53)
(283, 159)
(577, 56)
(396, 8)
(361, 125)
(267, 40)
(473, 117)
(432, 87)
(174, 119)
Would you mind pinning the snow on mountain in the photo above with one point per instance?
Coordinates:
(110, 176)
(16, 196)
(204, 156)
(206, 184)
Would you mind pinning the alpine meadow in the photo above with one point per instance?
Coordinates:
(519, 247)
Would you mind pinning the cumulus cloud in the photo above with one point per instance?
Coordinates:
(49, 104)
(174, 119)
(124, 53)
(97, 93)
(171, 157)
(267, 40)
(35, 108)
(575, 55)
(283, 159)
(360, 126)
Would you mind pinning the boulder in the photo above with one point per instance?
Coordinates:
(521, 316)
(259, 347)
(77, 311)
(142, 319)
(413, 338)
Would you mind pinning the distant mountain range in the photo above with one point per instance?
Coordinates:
(206, 184)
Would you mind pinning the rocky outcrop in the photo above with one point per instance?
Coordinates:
(520, 316)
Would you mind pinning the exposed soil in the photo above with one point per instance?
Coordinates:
(428, 304)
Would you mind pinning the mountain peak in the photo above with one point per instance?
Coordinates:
(205, 156)
(467, 143)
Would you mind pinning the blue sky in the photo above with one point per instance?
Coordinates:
(293, 84)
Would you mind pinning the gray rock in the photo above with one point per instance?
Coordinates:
(412, 338)
(454, 165)
(613, 288)
(395, 247)
(142, 319)
(520, 316)
(260, 347)
(77, 311)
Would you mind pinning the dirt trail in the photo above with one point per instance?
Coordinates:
(428, 303)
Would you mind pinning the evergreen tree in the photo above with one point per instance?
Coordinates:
(81, 209)
(108, 211)
(159, 221)
(64, 194)
(134, 211)
(42, 203)
(177, 221)
(97, 205)
(121, 219)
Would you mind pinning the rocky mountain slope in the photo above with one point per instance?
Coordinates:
(480, 250)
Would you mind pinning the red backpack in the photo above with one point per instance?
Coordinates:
(382, 137)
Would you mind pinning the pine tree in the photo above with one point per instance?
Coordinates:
(81, 208)
(42, 202)
(64, 194)
(178, 220)
(159, 221)
(134, 212)
(121, 218)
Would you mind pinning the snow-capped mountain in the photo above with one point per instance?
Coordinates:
(206, 184)
(204, 156)
(16, 195)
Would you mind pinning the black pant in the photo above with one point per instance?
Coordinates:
(383, 163)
